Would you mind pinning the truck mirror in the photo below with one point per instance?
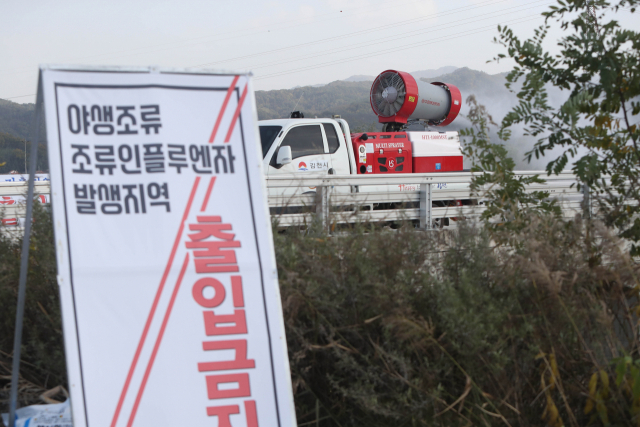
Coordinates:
(284, 155)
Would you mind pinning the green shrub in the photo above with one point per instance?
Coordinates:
(408, 329)
(42, 363)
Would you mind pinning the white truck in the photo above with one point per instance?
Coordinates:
(325, 146)
(299, 145)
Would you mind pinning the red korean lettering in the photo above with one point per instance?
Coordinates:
(218, 297)
(236, 290)
(210, 226)
(214, 324)
(223, 413)
(204, 266)
(252, 414)
(240, 360)
(215, 392)
(208, 260)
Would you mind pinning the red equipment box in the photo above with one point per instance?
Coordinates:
(436, 152)
(437, 164)
(382, 152)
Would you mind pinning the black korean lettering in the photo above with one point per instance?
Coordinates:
(104, 117)
(220, 160)
(200, 155)
(143, 207)
(128, 154)
(177, 157)
(96, 114)
(130, 197)
(73, 116)
(150, 115)
(105, 158)
(85, 198)
(153, 158)
(111, 195)
(86, 124)
(103, 192)
(231, 158)
(81, 158)
(126, 119)
(155, 191)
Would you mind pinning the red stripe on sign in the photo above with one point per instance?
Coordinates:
(237, 113)
(155, 304)
(158, 340)
(223, 108)
(206, 196)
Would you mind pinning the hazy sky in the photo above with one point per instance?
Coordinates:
(284, 43)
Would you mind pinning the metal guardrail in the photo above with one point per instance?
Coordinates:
(339, 199)
(352, 198)
(12, 206)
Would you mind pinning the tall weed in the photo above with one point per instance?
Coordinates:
(408, 328)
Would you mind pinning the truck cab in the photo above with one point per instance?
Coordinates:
(315, 146)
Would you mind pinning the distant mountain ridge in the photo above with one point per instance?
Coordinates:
(419, 74)
(349, 99)
(359, 78)
(15, 119)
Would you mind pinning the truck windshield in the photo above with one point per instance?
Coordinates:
(267, 136)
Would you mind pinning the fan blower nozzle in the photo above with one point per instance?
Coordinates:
(397, 97)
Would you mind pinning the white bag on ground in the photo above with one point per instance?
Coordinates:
(55, 415)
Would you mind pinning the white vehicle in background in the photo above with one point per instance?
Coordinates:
(326, 146)
(299, 146)
(317, 147)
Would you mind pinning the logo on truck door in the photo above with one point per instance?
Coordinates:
(314, 165)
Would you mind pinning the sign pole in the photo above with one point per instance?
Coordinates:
(24, 261)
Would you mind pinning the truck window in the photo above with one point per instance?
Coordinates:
(267, 136)
(304, 141)
(332, 137)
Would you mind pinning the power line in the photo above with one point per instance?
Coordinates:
(375, 29)
(21, 96)
(404, 35)
(225, 33)
(368, 55)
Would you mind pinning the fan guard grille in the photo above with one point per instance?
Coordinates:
(383, 104)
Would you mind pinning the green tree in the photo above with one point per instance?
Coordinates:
(596, 127)
(507, 202)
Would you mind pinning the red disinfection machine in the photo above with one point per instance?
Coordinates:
(382, 152)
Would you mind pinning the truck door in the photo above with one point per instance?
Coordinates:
(309, 152)
(337, 149)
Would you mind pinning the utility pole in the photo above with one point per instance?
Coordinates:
(591, 10)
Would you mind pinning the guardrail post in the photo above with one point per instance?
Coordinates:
(425, 206)
(586, 201)
(322, 205)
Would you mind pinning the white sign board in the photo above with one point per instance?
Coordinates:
(170, 299)
(23, 178)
